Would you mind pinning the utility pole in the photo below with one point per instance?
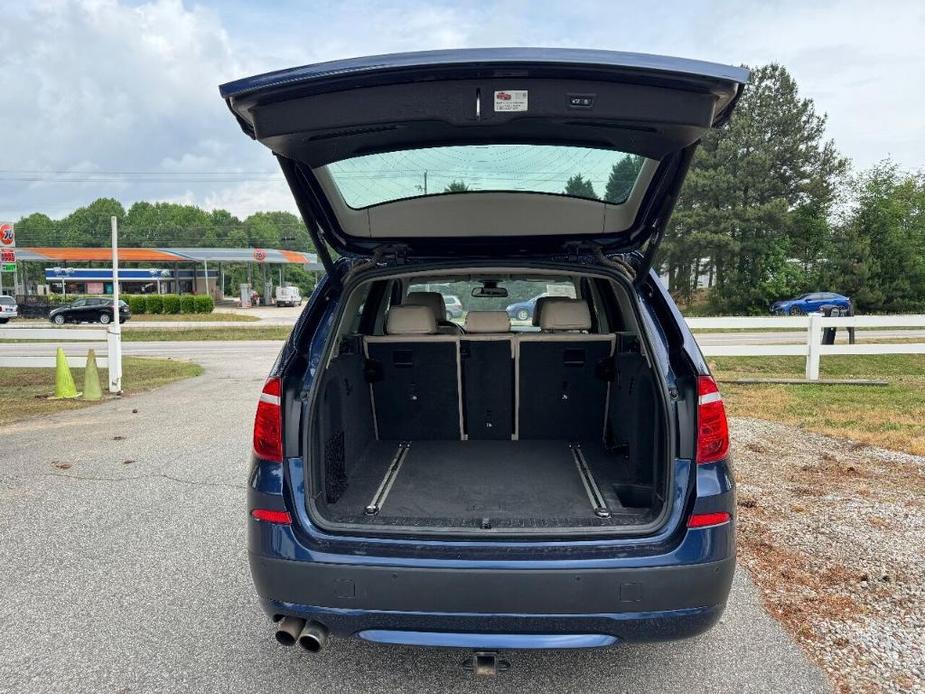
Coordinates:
(115, 329)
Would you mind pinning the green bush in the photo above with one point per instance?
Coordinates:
(136, 303)
(171, 303)
(204, 303)
(154, 303)
(62, 299)
(187, 303)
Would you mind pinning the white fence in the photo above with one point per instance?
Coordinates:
(812, 348)
(57, 336)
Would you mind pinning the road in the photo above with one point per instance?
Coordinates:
(124, 570)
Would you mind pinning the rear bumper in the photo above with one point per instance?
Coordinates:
(498, 607)
(551, 594)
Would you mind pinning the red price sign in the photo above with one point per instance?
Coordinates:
(7, 236)
(7, 256)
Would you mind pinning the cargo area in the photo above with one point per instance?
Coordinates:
(492, 484)
(486, 428)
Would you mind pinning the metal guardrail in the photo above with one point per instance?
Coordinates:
(812, 348)
(58, 335)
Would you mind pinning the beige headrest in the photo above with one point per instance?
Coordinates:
(410, 320)
(541, 303)
(432, 300)
(487, 322)
(570, 314)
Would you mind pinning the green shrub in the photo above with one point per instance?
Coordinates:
(204, 303)
(154, 303)
(171, 303)
(187, 303)
(62, 299)
(136, 303)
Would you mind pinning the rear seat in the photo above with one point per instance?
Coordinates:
(563, 375)
(489, 383)
(487, 361)
(436, 303)
(541, 303)
(414, 377)
(487, 322)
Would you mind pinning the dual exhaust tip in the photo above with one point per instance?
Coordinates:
(311, 636)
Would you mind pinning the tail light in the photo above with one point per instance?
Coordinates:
(712, 427)
(270, 516)
(268, 428)
(706, 520)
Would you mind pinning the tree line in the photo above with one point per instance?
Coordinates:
(166, 224)
(770, 209)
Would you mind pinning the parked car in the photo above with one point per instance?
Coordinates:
(811, 303)
(90, 310)
(288, 296)
(454, 307)
(562, 488)
(523, 310)
(8, 308)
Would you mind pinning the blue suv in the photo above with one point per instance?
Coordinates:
(811, 303)
(415, 481)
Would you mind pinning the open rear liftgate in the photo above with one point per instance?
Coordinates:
(598, 503)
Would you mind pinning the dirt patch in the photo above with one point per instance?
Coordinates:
(832, 533)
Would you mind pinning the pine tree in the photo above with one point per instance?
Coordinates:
(622, 177)
(757, 200)
(580, 187)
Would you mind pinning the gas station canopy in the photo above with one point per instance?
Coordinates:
(276, 256)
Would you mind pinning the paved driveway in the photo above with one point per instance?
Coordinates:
(124, 576)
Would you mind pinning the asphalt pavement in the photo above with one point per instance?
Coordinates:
(124, 570)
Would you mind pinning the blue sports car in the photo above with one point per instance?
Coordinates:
(811, 303)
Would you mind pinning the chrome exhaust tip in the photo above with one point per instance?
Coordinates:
(313, 637)
(287, 631)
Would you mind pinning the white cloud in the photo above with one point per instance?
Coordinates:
(241, 199)
(861, 62)
(101, 85)
(104, 87)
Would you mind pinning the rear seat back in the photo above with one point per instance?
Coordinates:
(414, 377)
(490, 384)
(487, 361)
(563, 375)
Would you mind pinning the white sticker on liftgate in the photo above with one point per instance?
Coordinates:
(511, 100)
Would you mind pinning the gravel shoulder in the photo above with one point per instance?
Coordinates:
(831, 531)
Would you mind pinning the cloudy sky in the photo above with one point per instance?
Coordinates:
(109, 98)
